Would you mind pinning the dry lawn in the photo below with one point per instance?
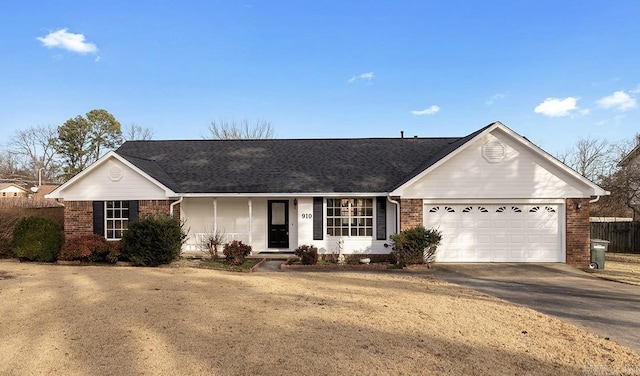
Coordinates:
(621, 267)
(95, 320)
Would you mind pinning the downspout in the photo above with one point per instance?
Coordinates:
(174, 204)
(594, 200)
(397, 204)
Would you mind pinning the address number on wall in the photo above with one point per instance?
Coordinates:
(307, 215)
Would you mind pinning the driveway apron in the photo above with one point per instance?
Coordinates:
(610, 309)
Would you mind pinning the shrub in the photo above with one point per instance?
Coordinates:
(37, 239)
(211, 242)
(415, 246)
(94, 248)
(308, 254)
(8, 219)
(235, 252)
(153, 241)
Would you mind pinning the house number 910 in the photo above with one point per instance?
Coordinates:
(307, 215)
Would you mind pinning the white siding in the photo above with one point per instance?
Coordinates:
(305, 225)
(520, 174)
(97, 185)
(329, 244)
(233, 220)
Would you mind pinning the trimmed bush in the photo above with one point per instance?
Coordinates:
(308, 254)
(89, 248)
(153, 241)
(235, 252)
(12, 210)
(37, 239)
(415, 246)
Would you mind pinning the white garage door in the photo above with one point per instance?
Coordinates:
(496, 233)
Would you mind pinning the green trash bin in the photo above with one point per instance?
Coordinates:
(598, 248)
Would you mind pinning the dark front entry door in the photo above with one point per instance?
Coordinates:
(278, 223)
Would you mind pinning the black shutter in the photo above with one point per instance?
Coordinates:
(98, 218)
(318, 217)
(381, 218)
(133, 210)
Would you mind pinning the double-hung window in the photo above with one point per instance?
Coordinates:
(116, 219)
(350, 217)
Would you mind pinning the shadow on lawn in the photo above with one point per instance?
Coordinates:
(107, 320)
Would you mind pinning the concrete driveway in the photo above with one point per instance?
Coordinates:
(610, 309)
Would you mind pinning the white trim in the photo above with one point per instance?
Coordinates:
(596, 190)
(112, 154)
(285, 195)
(460, 201)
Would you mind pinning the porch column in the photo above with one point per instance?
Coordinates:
(215, 215)
(250, 222)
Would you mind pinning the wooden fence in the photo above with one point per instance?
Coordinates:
(624, 236)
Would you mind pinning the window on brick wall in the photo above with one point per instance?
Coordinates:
(116, 219)
(350, 217)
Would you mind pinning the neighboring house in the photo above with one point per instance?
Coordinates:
(630, 165)
(495, 196)
(43, 190)
(10, 190)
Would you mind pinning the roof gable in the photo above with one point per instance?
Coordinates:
(11, 187)
(560, 169)
(100, 164)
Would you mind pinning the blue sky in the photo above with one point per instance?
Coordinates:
(553, 71)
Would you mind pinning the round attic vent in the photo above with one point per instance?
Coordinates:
(115, 173)
(493, 151)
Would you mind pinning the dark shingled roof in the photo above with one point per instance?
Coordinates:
(373, 165)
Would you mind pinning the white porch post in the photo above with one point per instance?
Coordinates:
(251, 222)
(215, 216)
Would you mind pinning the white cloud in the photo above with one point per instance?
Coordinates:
(427, 111)
(494, 98)
(619, 100)
(68, 41)
(636, 90)
(368, 76)
(556, 107)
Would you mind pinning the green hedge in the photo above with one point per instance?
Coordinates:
(415, 246)
(153, 241)
(37, 239)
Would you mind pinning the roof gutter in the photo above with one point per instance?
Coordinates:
(174, 204)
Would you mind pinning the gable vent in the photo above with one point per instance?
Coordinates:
(493, 151)
(115, 173)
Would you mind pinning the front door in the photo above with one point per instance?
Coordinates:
(278, 223)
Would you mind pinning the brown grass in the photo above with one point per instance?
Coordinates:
(168, 321)
(621, 267)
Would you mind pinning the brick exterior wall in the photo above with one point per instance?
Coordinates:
(411, 213)
(78, 218)
(578, 232)
(148, 208)
(78, 215)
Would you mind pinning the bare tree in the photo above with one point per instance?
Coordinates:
(592, 158)
(211, 242)
(34, 148)
(237, 130)
(133, 132)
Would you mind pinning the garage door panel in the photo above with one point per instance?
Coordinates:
(507, 232)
